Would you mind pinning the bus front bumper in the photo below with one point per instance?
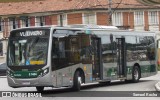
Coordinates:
(30, 82)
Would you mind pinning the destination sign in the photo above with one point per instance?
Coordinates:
(32, 33)
(28, 33)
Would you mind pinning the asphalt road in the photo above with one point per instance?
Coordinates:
(116, 88)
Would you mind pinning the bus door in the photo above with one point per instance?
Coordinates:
(96, 59)
(121, 57)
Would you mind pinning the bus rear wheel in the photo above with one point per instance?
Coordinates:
(40, 88)
(135, 74)
(77, 81)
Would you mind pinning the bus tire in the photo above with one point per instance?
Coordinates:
(135, 74)
(77, 81)
(40, 88)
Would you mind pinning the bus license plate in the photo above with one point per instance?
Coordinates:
(26, 83)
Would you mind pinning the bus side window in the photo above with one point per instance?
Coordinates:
(55, 49)
(86, 49)
(54, 53)
(130, 46)
(58, 53)
(151, 48)
(86, 54)
(142, 48)
(108, 49)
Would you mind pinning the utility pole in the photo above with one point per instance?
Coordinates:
(110, 12)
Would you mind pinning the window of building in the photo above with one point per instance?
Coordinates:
(153, 18)
(40, 21)
(62, 20)
(117, 19)
(89, 18)
(25, 21)
(13, 23)
(139, 18)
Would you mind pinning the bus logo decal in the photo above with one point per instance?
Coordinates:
(27, 62)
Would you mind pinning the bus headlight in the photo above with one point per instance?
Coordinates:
(44, 72)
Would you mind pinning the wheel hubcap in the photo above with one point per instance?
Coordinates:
(80, 80)
(136, 76)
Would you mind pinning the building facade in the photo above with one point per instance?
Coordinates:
(136, 16)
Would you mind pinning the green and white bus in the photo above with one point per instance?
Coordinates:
(71, 56)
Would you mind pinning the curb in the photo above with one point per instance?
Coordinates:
(157, 86)
(3, 76)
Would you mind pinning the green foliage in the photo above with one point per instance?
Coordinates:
(7, 1)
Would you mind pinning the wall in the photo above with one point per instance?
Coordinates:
(74, 18)
(102, 18)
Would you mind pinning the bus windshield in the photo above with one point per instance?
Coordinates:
(28, 48)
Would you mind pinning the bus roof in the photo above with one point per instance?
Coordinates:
(75, 26)
(124, 32)
(96, 30)
(91, 26)
(103, 31)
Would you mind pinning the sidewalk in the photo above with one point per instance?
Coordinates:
(157, 86)
(3, 76)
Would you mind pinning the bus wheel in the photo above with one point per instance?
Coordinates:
(40, 88)
(135, 74)
(77, 81)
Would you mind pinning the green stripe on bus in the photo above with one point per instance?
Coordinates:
(148, 68)
(26, 74)
(144, 69)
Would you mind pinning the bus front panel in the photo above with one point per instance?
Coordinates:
(27, 57)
